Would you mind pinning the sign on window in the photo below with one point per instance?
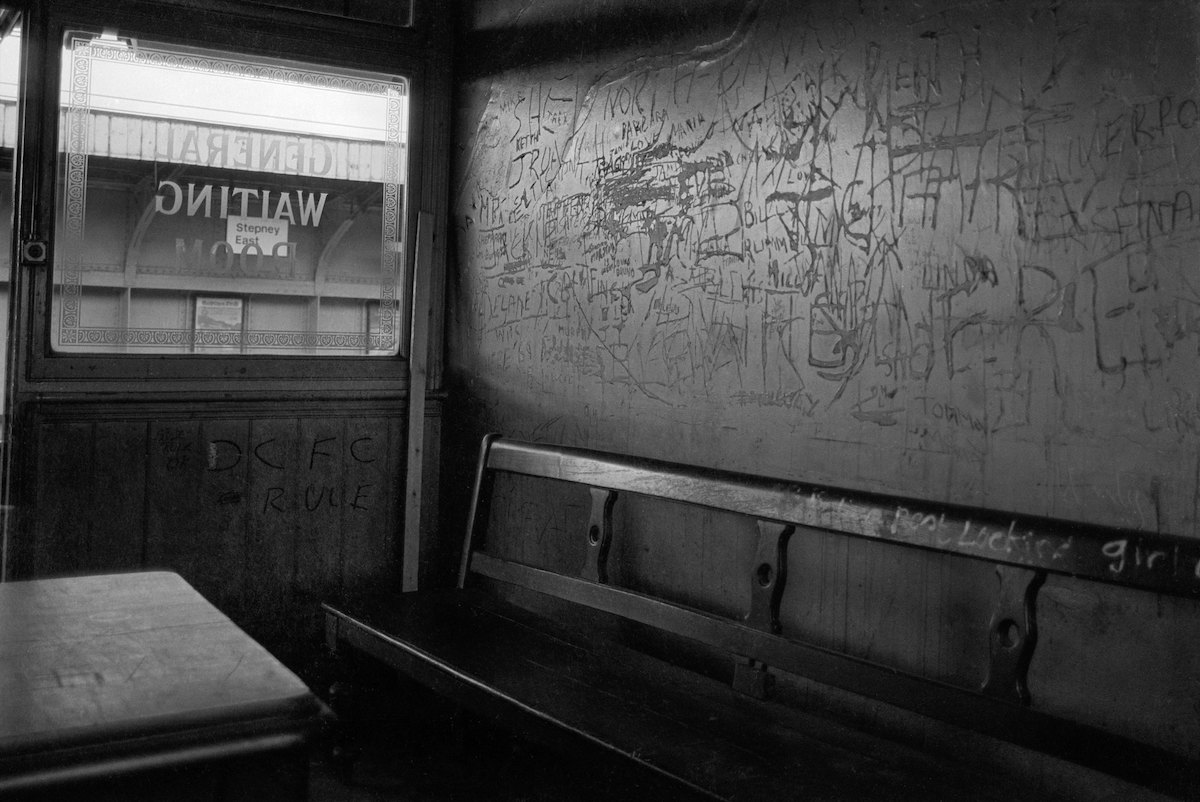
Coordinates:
(200, 190)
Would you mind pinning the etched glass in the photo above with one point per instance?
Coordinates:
(219, 204)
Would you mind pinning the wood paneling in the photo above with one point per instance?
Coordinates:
(276, 472)
(118, 497)
(265, 516)
(64, 507)
(372, 455)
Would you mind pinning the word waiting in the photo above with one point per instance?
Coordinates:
(309, 205)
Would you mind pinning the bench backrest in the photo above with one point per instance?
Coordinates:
(1023, 549)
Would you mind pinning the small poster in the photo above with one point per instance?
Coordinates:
(218, 324)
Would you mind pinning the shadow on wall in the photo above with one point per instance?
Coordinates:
(499, 36)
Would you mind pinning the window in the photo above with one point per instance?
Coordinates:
(219, 204)
(10, 46)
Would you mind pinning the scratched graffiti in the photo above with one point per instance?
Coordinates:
(970, 232)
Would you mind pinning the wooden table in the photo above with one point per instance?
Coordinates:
(132, 686)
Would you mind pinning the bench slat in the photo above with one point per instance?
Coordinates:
(1164, 563)
(1079, 743)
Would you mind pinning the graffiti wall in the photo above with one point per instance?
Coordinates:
(940, 249)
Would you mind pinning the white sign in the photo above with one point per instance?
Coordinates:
(218, 314)
(265, 232)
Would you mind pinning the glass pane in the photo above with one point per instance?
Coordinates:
(218, 204)
(10, 58)
(10, 47)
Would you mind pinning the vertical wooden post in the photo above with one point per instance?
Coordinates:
(418, 355)
(477, 514)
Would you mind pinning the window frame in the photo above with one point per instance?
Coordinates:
(274, 33)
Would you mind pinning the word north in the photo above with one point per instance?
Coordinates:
(295, 206)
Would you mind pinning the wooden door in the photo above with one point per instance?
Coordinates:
(210, 370)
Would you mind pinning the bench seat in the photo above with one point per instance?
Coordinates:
(675, 699)
(553, 683)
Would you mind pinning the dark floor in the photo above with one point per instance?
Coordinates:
(412, 746)
(394, 765)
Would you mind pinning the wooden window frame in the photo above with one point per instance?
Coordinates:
(320, 40)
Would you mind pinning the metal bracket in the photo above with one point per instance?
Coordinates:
(769, 576)
(599, 536)
(752, 678)
(767, 580)
(1012, 633)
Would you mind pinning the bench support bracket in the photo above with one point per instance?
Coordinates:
(599, 536)
(768, 576)
(767, 579)
(752, 678)
(1012, 633)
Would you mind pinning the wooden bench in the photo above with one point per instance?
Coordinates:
(552, 655)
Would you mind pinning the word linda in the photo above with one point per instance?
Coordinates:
(245, 202)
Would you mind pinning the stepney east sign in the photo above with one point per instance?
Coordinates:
(257, 220)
